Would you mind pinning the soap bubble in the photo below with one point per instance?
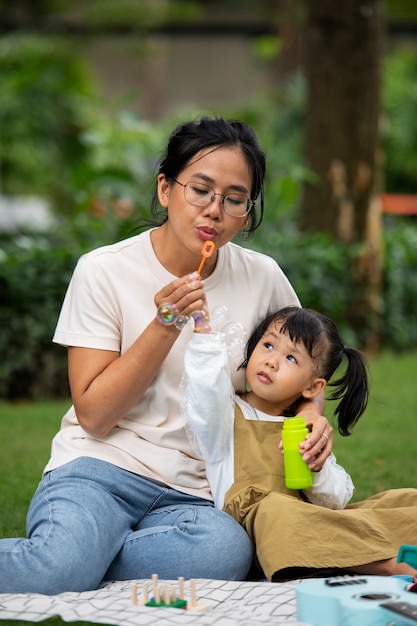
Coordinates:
(181, 321)
(167, 314)
(219, 316)
(235, 337)
(200, 319)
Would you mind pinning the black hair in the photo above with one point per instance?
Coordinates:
(323, 343)
(189, 138)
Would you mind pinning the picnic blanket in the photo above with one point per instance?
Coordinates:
(232, 603)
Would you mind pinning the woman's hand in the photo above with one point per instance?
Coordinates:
(186, 293)
(318, 444)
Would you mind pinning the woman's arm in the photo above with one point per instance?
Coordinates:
(106, 385)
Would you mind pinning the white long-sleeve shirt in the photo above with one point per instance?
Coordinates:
(208, 404)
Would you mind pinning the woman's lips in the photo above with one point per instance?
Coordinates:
(207, 234)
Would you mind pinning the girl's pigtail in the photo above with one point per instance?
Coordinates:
(352, 389)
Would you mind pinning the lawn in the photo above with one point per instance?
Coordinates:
(379, 455)
(26, 431)
(381, 452)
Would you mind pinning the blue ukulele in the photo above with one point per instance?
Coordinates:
(357, 601)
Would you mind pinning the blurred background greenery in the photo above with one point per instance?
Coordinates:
(89, 92)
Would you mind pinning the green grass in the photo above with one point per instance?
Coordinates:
(381, 452)
(26, 431)
(379, 455)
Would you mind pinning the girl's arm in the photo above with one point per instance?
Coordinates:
(332, 486)
(207, 395)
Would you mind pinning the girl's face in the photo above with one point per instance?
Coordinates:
(188, 227)
(279, 371)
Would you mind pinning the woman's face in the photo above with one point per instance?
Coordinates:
(225, 170)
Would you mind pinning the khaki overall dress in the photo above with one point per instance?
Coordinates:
(294, 538)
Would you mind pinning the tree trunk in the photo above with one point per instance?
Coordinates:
(342, 58)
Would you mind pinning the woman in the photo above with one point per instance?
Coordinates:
(124, 495)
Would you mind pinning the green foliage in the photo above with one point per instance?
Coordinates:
(141, 16)
(401, 10)
(400, 286)
(318, 267)
(61, 142)
(41, 116)
(35, 270)
(399, 128)
(117, 181)
(32, 284)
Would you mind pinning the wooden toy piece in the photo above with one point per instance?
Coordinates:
(154, 584)
(181, 588)
(145, 598)
(134, 593)
(193, 592)
(194, 605)
(165, 595)
(145, 594)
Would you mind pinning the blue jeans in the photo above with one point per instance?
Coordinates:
(91, 521)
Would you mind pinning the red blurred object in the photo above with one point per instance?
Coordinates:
(399, 204)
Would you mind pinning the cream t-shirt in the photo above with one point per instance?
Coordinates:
(108, 304)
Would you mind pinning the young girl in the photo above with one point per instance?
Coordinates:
(291, 356)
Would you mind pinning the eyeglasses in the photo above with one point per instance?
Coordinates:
(199, 194)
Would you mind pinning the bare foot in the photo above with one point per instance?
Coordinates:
(387, 567)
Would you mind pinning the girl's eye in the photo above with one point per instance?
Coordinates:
(292, 358)
(268, 345)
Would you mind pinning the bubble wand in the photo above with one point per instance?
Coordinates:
(206, 250)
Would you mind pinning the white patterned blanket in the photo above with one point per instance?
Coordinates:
(233, 603)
